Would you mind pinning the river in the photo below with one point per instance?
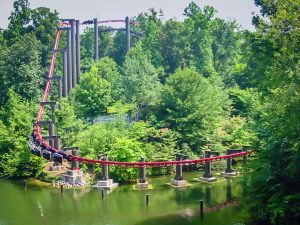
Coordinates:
(44, 205)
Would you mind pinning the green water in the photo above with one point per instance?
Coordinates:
(46, 206)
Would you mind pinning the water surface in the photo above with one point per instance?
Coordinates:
(40, 205)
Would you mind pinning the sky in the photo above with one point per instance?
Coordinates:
(240, 10)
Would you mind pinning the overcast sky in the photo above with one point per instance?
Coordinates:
(241, 10)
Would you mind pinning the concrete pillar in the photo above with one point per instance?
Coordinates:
(96, 54)
(69, 60)
(207, 166)
(75, 164)
(142, 172)
(127, 24)
(105, 182)
(105, 175)
(57, 143)
(229, 165)
(229, 172)
(77, 51)
(73, 47)
(65, 69)
(51, 133)
(208, 176)
(142, 182)
(178, 180)
(178, 175)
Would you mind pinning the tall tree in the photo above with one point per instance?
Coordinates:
(140, 80)
(201, 22)
(20, 68)
(193, 106)
(275, 178)
(93, 94)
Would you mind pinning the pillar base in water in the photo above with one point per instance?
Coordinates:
(229, 174)
(73, 177)
(208, 179)
(142, 185)
(179, 183)
(106, 184)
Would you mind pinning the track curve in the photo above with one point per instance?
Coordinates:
(38, 144)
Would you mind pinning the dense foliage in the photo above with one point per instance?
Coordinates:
(185, 86)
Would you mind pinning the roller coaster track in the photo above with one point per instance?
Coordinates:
(38, 145)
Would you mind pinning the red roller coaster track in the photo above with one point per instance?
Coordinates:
(37, 140)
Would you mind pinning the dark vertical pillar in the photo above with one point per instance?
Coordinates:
(201, 209)
(57, 143)
(75, 164)
(142, 172)
(73, 47)
(59, 88)
(96, 56)
(51, 133)
(65, 68)
(207, 166)
(127, 24)
(229, 164)
(208, 195)
(53, 109)
(178, 175)
(228, 191)
(77, 51)
(69, 60)
(104, 169)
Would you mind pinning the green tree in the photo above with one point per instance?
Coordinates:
(68, 125)
(226, 47)
(93, 94)
(109, 71)
(275, 178)
(193, 106)
(16, 119)
(20, 68)
(201, 22)
(140, 80)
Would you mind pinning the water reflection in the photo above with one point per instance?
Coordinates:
(228, 190)
(208, 194)
(124, 206)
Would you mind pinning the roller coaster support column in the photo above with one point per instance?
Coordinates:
(57, 143)
(65, 68)
(96, 54)
(73, 47)
(69, 60)
(178, 180)
(142, 183)
(208, 176)
(229, 172)
(66, 60)
(59, 84)
(74, 176)
(105, 174)
(75, 164)
(53, 108)
(105, 183)
(51, 133)
(127, 23)
(77, 51)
